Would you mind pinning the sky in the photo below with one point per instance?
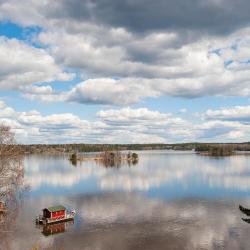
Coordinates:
(125, 71)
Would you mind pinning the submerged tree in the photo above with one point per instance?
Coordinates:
(11, 182)
(111, 158)
(73, 159)
(117, 158)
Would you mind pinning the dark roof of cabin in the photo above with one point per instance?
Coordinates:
(56, 208)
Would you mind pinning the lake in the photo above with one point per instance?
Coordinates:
(168, 200)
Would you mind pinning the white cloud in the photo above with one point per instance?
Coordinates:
(237, 113)
(43, 93)
(183, 110)
(33, 127)
(109, 91)
(131, 126)
(25, 13)
(140, 115)
(22, 65)
(145, 124)
(150, 64)
(125, 125)
(5, 111)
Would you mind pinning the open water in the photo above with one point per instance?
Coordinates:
(168, 200)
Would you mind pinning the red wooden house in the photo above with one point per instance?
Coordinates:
(55, 213)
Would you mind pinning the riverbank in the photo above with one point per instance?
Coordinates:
(85, 148)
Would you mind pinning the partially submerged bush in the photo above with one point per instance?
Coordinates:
(221, 151)
(115, 158)
(73, 159)
(111, 158)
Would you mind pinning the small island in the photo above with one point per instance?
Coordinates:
(215, 150)
(107, 158)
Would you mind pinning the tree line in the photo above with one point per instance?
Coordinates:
(71, 148)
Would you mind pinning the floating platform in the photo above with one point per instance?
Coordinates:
(55, 214)
(41, 220)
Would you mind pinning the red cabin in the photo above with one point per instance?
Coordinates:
(55, 213)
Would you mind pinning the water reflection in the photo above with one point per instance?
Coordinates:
(153, 171)
(167, 200)
(108, 159)
(246, 220)
(133, 221)
(246, 212)
(55, 228)
(117, 164)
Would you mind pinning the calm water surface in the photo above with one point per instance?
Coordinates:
(169, 200)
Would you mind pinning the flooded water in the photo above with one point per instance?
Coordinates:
(169, 200)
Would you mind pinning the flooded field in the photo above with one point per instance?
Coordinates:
(168, 200)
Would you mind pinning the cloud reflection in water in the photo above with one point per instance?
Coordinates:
(132, 221)
(153, 170)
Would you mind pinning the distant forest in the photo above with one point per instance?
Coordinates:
(211, 148)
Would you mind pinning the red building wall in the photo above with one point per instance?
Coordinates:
(56, 215)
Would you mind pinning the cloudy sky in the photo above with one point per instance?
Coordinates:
(125, 71)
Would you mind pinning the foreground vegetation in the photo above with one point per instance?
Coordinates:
(11, 184)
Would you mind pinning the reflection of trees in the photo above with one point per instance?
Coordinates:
(245, 211)
(11, 182)
(117, 159)
(73, 159)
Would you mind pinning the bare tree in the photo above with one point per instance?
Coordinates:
(11, 180)
(11, 167)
